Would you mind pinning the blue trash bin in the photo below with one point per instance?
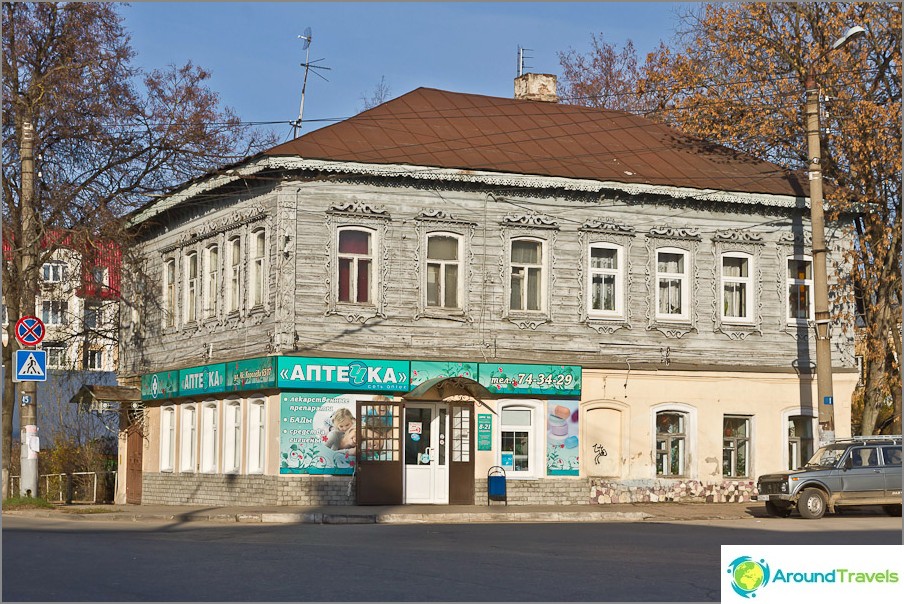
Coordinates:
(496, 485)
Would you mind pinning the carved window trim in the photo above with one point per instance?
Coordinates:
(532, 227)
(430, 223)
(686, 240)
(605, 232)
(264, 269)
(169, 307)
(791, 245)
(355, 214)
(734, 242)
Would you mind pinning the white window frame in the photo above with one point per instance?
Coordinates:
(209, 449)
(795, 282)
(258, 281)
(169, 292)
(56, 357)
(257, 435)
(747, 282)
(232, 437)
(167, 438)
(682, 278)
(442, 265)
(188, 438)
(536, 441)
(191, 279)
(234, 274)
(619, 273)
(787, 415)
(355, 259)
(541, 269)
(690, 438)
(55, 312)
(54, 271)
(211, 280)
(95, 359)
(94, 315)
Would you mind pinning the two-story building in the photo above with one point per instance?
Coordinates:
(382, 310)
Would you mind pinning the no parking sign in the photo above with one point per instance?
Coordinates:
(30, 331)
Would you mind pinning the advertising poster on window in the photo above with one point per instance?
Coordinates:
(317, 433)
(562, 438)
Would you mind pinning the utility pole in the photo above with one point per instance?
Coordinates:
(28, 413)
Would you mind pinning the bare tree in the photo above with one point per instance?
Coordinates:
(379, 95)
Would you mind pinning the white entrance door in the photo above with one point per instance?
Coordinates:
(426, 453)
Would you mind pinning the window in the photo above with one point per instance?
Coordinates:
(258, 270)
(671, 443)
(54, 272)
(234, 292)
(527, 291)
(56, 357)
(671, 284)
(737, 288)
(800, 440)
(99, 275)
(605, 297)
(167, 438)
(735, 446)
(232, 438)
(191, 287)
(169, 293)
(212, 282)
(800, 286)
(256, 436)
(189, 435)
(95, 359)
(209, 435)
(355, 266)
(891, 454)
(519, 443)
(93, 313)
(54, 312)
(443, 270)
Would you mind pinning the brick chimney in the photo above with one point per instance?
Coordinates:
(536, 87)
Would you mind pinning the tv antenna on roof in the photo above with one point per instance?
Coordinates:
(521, 57)
(308, 65)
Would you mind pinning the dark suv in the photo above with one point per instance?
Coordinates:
(857, 471)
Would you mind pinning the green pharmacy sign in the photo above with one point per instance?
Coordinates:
(423, 371)
(516, 379)
(251, 374)
(484, 432)
(160, 386)
(343, 374)
(202, 380)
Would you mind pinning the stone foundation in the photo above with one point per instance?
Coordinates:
(661, 490)
(246, 489)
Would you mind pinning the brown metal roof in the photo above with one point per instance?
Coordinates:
(429, 127)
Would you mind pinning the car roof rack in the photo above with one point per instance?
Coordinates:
(873, 438)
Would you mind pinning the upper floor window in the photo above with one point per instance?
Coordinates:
(671, 284)
(169, 293)
(93, 315)
(233, 276)
(671, 443)
(606, 280)
(527, 290)
(258, 269)
(737, 288)
(212, 281)
(191, 287)
(54, 272)
(99, 275)
(356, 259)
(736, 446)
(800, 287)
(95, 359)
(56, 356)
(443, 270)
(54, 312)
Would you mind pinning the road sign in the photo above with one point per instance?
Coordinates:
(30, 331)
(31, 366)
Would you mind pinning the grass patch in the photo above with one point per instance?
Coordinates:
(80, 510)
(26, 503)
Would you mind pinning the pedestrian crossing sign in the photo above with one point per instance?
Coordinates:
(31, 366)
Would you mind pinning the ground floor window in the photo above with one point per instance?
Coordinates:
(209, 436)
(800, 440)
(167, 438)
(519, 443)
(188, 433)
(257, 426)
(671, 443)
(735, 446)
(232, 438)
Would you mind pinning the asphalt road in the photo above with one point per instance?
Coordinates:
(50, 560)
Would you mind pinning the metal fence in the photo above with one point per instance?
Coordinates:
(77, 487)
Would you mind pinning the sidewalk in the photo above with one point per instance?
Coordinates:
(404, 514)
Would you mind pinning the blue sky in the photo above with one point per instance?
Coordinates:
(254, 53)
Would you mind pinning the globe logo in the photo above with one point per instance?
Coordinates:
(748, 575)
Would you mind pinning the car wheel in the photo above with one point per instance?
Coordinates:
(812, 504)
(782, 510)
(892, 510)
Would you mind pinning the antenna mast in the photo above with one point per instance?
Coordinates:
(307, 37)
(521, 57)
